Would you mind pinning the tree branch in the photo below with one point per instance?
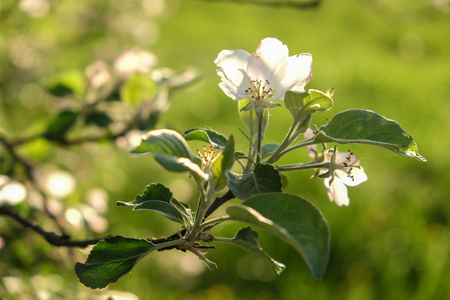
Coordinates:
(51, 237)
(292, 3)
(218, 202)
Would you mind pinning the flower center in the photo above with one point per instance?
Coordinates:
(349, 164)
(207, 157)
(259, 90)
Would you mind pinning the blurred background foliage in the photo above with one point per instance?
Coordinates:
(392, 57)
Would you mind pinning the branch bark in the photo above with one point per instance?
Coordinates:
(51, 237)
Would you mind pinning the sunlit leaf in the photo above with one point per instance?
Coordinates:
(70, 82)
(156, 198)
(263, 179)
(368, 127)
(154, 191)
(303, 105)
(223, 164)
(247, 239)
(168, 210)
(168, 146)
(138, 88)
(217, 140)
(292, 219)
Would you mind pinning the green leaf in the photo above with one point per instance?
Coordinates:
(247, 239)
(169, 146)
(97, 118)
(302, 105)
(168, 210)
(263, 179)
(368, 127)
(154, 191)
(223, 164)
(268, 149)
(239, 155)
(217, 140)
(60, 125)
(185, 210)
(138, 88)
(292, 219)
(156, 198)
(67, 83)
(110, 259)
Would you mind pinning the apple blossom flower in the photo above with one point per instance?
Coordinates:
(134, 61)
(265, 75)
(345, 170)
(312, 149)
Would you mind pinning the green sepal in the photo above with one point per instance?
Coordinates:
(250, 118)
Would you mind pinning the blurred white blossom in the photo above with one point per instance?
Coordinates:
(134, 61)
(11, 191)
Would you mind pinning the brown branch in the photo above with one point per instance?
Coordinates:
(51, 237)
(218, 202)
(275, 3)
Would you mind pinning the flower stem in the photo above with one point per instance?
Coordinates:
(304, 143)
(286, 142)
(259, 138)
(322, 165)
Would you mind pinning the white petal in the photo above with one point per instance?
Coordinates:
(232, 59)
(232, 65)
(269, 62)
(337, 191)
(347, 157)
(231, 88)
(357, 176)
(299, 72)
(312, 149)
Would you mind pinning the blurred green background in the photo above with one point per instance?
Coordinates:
(392, 57)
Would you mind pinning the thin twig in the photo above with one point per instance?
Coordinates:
(51, 237)
(295, 4)
(218, 202)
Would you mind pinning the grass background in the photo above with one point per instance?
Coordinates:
(392, 242)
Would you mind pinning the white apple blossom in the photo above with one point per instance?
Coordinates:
(265, 75)
(134, 61)
(345, 171)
